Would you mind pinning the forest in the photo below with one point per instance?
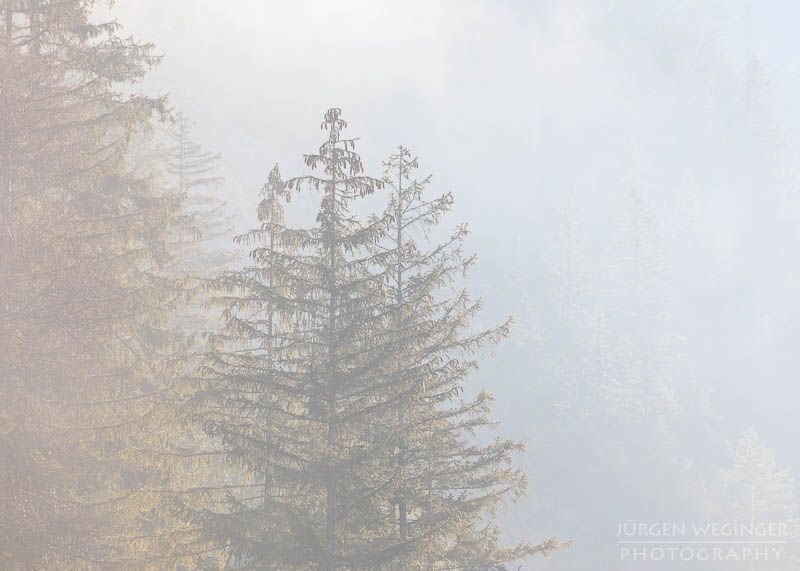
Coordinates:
(525, 300)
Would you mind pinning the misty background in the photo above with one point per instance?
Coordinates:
(629, 173)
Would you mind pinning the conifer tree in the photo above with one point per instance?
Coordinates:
(241, 408)
(333, 391)
(292, 391)
(195, 171)
(445, 483)
(168, 156)
(87, 361)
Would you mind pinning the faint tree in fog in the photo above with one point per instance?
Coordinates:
(601, 377)
(171, 161)
(195, 171)
(577, 352)
(753, 488)
(636, 274)
(169, 157)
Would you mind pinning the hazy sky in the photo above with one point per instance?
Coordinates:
(511, 105)
(262, 71)
(462, 83)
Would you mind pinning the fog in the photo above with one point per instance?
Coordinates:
(628, 172)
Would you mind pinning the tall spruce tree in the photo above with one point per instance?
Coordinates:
(83, 301)
(239, 407)
(447, 486)
(292, 392)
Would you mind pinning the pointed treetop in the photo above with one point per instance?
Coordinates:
(334, 123)
(341, 164)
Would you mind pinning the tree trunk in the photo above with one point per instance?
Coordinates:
(330, 492)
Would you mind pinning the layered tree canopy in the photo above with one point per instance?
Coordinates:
(336, 387)
(309, 410)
